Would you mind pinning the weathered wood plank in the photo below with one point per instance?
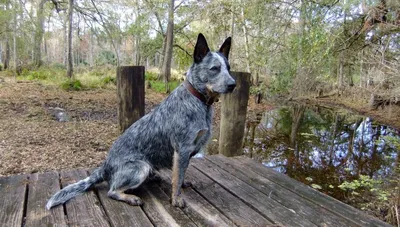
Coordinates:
(301, 206)
(312, 195)
(85, 209)
(120, 213)
(158, 208)
(197, 208)
(259, 201)
(41, 188)
(12, 197)
(232, 207)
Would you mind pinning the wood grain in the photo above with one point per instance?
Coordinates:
(12, 197)
(85, 209)
(41, 188)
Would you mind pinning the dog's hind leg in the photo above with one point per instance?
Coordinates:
(129, 177)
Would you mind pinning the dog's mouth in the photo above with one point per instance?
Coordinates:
(212, 92)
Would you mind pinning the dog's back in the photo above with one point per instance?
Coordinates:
(155, 136)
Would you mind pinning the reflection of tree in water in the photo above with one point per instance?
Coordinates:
(323, 147)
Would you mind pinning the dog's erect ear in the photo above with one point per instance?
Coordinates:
(201, 49)
(226, 47)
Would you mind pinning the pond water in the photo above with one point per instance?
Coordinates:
(328, 149)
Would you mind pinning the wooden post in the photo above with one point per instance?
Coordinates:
(233, 116)
(130, 90)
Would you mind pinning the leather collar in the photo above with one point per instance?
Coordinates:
(197, 94)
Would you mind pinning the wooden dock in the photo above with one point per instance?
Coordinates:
(226, 192)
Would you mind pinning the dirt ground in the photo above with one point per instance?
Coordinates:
(33, 140)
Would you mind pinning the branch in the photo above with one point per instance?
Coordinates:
(151, 6)
(107, 31)
(176, 45)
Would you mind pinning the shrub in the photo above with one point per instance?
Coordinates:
(71, 85)
(37, 75)
(59, 66)
(159, 86)
(150, 76)
(109, 80)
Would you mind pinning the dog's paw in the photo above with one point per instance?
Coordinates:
(178, 201)
(136, 201)
(187, 184)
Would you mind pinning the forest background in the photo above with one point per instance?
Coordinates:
(340, 52)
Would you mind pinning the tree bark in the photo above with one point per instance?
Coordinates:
(166, 68)
(340, 72)
(91, 62)
(70, 69)
(65, 38)
(37, 53)
(246, 40)
(15, 39)
(6, 60)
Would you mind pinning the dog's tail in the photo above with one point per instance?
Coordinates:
(73, 190)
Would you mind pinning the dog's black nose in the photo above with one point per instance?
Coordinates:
(231, 87)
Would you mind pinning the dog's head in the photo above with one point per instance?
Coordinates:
(209, 73)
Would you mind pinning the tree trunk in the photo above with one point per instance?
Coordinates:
(65, 38)
(246, 40)
(6, 61)
(15, 39)
(137, 53)
(1, 53)
(361, 68)
(300, 69)
(37, 53)
(161, 57)
(166, 68)
(70, 68)
(232, 29)
(91, 62)
(340, 72)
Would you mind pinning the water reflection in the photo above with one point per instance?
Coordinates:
(322, 146)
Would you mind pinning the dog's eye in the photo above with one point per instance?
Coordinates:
(215, 68)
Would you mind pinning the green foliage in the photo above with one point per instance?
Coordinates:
(109, 80)
(364, 183)
(59, 66)
(159, 86)
(71, 85)
(106, 57)
(150, 75)
(43, 74)
(100, 77)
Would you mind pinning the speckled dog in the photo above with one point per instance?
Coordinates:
(166, 137)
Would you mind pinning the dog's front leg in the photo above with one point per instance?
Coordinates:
(181, 162)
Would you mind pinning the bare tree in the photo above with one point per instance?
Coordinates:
(70, 66)
(15, 38)
(37, 53)
(6, 60)
(166, 68)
